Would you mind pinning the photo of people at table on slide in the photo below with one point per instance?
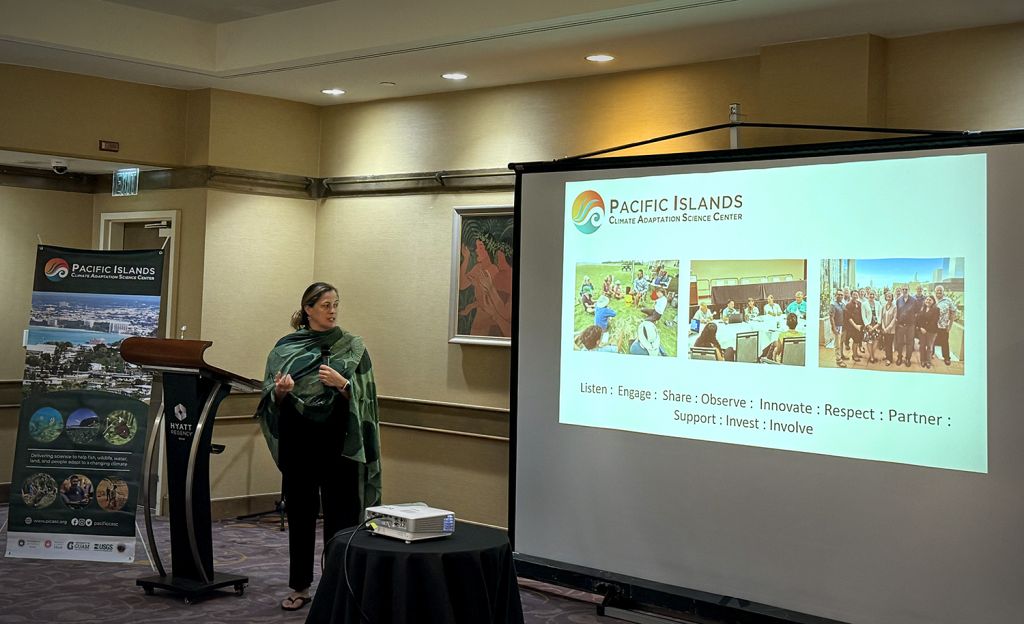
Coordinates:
(751, 311)
(627, 306)
(893, 314)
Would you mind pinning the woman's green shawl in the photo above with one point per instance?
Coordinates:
(299, 354)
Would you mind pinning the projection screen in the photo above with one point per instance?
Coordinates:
(721, 387)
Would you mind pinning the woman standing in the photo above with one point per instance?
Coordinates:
(871, 313)
(888, 326)
(319, 415)
(927, 328)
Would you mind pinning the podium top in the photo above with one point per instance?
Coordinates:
(183, 356)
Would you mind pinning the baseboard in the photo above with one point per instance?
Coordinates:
(228, 508)
(5, 492)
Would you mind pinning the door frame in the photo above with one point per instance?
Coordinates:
(111, 235)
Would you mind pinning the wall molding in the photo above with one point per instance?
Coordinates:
(465, 406)
(46, 180)
(10, 393)
(462, 180)
(266, 183)
(493, 438)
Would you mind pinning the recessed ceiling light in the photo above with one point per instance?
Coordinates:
(334, 91)
(454, 76)
(600, 58)
(386, 83)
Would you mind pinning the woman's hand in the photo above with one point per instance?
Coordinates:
(283, 384)
(332, 378)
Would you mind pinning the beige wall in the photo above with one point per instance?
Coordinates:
(58, 218)
(538, 121)
(257, 261)
(831, 81)
(468, 475)
(197, 128)
(8, 437)
(709, 270)
(394, 279)
(262, 134)
(960, 80)
(67, 114)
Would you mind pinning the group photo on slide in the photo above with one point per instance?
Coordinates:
(627, 306)
(751, 311)
(902, 314)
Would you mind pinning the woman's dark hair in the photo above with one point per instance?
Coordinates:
(708, 337)
(590, 337)
(309, 298)
(791, 320)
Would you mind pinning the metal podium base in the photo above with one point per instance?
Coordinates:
(192, 588)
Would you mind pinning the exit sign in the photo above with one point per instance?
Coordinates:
(126, 182)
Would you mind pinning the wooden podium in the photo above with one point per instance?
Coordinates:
(192, 391)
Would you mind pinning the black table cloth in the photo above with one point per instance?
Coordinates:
(467, 578)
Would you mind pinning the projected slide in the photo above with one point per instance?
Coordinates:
(836, 309)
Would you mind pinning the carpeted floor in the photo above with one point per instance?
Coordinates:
(33, 590)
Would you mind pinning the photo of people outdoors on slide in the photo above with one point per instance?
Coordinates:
(886, 314)
(750, 311)
(627, 306)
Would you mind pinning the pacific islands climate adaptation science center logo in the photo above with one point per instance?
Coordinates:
(588, 212)
(56, 269)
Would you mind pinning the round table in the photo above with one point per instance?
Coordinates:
(467, 578)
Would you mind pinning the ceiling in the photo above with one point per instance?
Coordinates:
(292, 49)
(218, 11)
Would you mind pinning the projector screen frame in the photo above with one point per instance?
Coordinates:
(633, 591)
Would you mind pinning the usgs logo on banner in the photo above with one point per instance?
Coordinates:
(588, 212)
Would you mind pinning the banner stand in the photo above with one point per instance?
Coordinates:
(83, 419)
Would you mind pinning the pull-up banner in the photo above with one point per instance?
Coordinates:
(82, 427)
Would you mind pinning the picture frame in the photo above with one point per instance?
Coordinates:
(480, 310)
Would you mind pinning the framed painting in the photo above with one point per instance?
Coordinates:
(481, 290)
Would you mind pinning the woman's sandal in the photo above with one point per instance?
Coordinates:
(294, 602)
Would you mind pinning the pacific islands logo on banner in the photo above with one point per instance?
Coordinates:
(56, 269)
(588, 212)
